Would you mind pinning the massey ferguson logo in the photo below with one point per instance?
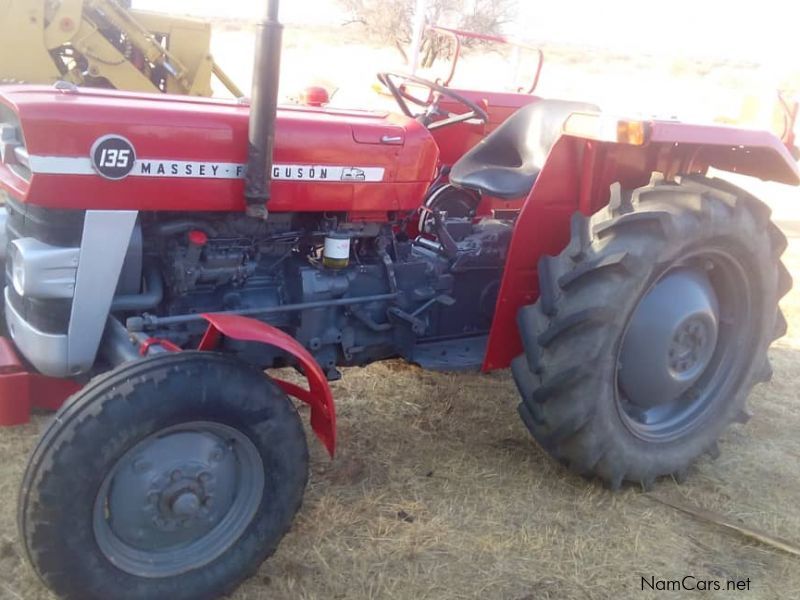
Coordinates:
(354, 174)
(113, 157)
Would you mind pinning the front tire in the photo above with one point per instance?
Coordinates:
(174, 477)
(651, 329)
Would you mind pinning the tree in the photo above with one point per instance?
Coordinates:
(390, 21)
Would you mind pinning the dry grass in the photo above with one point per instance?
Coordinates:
(437, 492)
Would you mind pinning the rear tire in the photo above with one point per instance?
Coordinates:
(171, 478)
(579, 401)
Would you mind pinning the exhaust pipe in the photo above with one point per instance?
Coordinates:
(263, 112)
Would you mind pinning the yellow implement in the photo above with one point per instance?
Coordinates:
(104, 43)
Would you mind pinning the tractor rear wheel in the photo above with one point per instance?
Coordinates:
(651, 328)
(170, 478)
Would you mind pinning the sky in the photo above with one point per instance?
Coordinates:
(763, 30)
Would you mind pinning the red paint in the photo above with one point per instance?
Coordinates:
(456, 140)
(749, 152)
(9, 361)
(144, 348)
(22, 391)
(191, 129)
(210, 340)
(577, 176)
(315, 95)
(318, 396)
(541, 228)
(198, 238)
(197, 129)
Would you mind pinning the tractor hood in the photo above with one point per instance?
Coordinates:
(98, 149)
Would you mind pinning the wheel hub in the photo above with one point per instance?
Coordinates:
(689, 348)
(670, 340)
(180, 500)
(173, 500)
(186, 505)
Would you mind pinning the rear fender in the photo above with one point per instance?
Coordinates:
(318, 396)
(577, 176)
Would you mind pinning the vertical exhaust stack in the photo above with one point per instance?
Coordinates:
(263, 111)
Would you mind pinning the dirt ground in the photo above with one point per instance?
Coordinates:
(438, 492)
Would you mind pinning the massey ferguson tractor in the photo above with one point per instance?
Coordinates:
(162, 252)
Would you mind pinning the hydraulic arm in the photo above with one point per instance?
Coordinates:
(104, 43)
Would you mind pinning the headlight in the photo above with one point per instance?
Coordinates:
(39, 270)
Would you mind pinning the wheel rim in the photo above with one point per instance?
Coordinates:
(684, 346)
(178, 499)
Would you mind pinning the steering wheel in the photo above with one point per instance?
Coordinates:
(431, 105)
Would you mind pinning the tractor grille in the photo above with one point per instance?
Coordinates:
(54, 227)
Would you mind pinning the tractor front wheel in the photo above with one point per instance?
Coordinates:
(172, 477)
(651, 328)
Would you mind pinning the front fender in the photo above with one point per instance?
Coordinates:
(318, 396)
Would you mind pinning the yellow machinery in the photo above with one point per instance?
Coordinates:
(106, 44)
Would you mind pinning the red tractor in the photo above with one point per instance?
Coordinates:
(162, 252)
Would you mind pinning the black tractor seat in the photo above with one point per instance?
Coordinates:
(507, 162)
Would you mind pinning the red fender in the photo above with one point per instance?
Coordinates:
(318, 396)
(577, 176)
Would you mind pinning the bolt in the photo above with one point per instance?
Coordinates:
(176, 475)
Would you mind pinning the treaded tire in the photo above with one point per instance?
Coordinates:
(111, 415)
(567, 376)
